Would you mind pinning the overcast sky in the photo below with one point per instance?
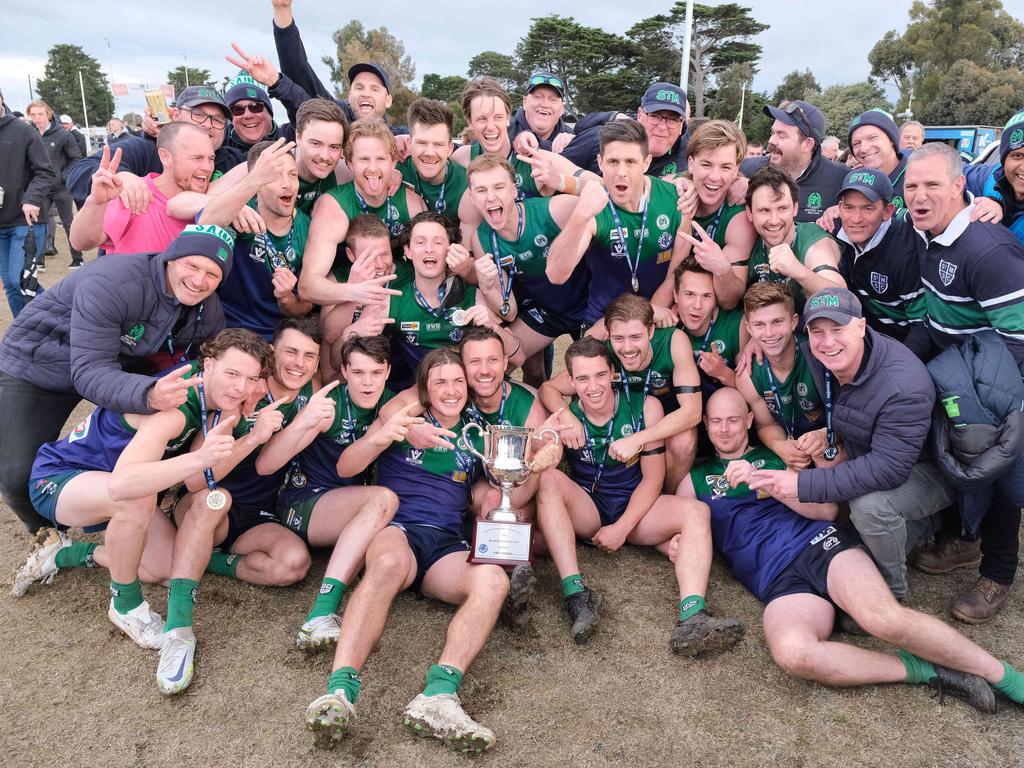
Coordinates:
(139, 42)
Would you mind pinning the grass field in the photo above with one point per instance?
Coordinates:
(74, 691)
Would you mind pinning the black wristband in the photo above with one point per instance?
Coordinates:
(826, 267)
(686, 389)
(653, 451)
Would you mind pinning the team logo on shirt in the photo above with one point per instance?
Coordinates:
(947, 271)
(814, 200)
(879, 282)
(81, 431)
(662, 222)
(719, 346)
(455, 335)
(135, 333)
(664, 241)
(627, 430)
(801, 389)
(717, 484)
(540, 240)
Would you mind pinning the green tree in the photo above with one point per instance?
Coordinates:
(502, 68)
(972, 95)
(721, 37)
(196, 76)
(446, 88)
(841, 103)
(356, 44)
(802, 86)
(60, 86)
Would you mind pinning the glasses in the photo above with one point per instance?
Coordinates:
(554, 82)
(255, 108)
(795, 111)
(201, 118)
(669, 119)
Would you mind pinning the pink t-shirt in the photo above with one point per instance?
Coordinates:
(149, 232)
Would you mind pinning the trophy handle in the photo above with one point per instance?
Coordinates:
(540, 433)
(469, 445)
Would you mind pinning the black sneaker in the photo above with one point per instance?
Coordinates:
(516, 609)
(584, 609)
(973, 689)
(75, 264)
(49, 249)
(702, 634)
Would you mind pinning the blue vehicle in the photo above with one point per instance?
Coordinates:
(968, 140)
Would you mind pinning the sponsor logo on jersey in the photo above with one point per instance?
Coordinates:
(409, 326)
(81, 430)
(415, 456)
(433, 326)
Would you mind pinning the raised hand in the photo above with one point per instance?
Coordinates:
(259, 69)
(395, 429)
(218, 443)
(106, 185)
(318, 413)
(269, 420)
(171, 390)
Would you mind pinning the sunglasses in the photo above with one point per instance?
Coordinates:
(554, 82)
(797, 112)
(256, 108)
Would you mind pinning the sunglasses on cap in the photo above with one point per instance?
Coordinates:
(554, 82)
(255, 108)
(797, 112)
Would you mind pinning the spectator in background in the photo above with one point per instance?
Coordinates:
(69, 125)
(116, 131)
(62, 149)
(755, 148)
(911, 135)
(830, 148)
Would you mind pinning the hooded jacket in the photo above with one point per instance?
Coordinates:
(63, 152)
(79, 335)
(26, 174)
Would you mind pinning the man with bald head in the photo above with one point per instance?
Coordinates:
(803, 566)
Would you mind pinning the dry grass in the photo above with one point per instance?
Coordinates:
(73, 690)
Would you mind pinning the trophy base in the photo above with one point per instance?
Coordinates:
(501, 543)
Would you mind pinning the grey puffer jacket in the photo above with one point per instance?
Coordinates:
(82, 333)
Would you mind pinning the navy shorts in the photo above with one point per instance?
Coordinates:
(430, 544)
(242, 518)
(808, 573)
(549, 323)
(44, 491)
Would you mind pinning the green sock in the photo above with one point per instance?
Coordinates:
(442, 678)
(180, 602)
(919, 671)
(572, 585)
(690, 606)
(224, 563)
(126, 596)
(1012, 684)
(78, 555)
(345, 679)
(328, 599)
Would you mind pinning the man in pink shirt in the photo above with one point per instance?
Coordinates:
(106, 220)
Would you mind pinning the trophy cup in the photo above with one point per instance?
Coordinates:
(502, 538)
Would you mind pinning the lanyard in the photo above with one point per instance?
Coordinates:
(643, 397)
(789, 426)
(440, 205)
(276, 258)
(592, 442)
(623, 235)
(421, 300)
(195, 329)
(506, 289)
(712, 228)
(366, 209)
(479, 415)
(462, 458)
(207, 471)
(707, 339)
(830, 436)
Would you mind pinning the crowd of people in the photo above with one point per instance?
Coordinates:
(813, 368)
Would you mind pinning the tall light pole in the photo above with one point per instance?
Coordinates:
(684, 65)
(186, 69)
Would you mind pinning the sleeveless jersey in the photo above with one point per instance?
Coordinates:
(723, 336)
(524, 172)
(758, 535)
(803, 408)
(717, 222)
(758, 271)
(513, 410)
(656, 378)
(394, 212)
(417, 329)
(616, 478)
(310, 191)
(444, 198)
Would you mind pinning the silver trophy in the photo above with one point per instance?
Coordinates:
(502, 538)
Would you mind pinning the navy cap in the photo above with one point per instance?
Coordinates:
(551, 80)
(881, 120)
(802, 115)
(244, 87)
(664, 97)
(870, 182)
(836, 304)
(195, 95)
(373, 69)
(207, 240)
(1013, 136)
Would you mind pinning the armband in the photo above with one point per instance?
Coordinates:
(826, 267)
(653, 452)
(686, 389)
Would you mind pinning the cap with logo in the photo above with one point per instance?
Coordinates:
(243, 87)
(195, 95)
(207, 240)
(537, 79)
(880, 119)
(1013, 136)
(870, 182)
(800, 114)
(66, 119)
(373, 69)
(836, 304)
(662, 97)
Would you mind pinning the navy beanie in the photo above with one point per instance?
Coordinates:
(880, 119)
(1013, 136)
(244, 87)
(207, 240)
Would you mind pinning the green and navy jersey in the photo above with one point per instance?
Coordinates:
(247, 293)
(606, 258)
(245, 484)
(317, 464)
(394, 211)
(418, 329)
(803, 409)
(973, 277)
(759, 535)
(310, 191)
(724, 338)
(527, 260)
(523, 171)
(656, 378)
(758, 270)
(513, 410)
(616, 479)
(97, 441)
(433, 484)
(717, 222)
(454, 187)
(886, 278)
(896, 179)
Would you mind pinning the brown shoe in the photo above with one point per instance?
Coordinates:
(948, 555)
(981, 603)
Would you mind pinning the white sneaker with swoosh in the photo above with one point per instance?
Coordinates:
(174, 672)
